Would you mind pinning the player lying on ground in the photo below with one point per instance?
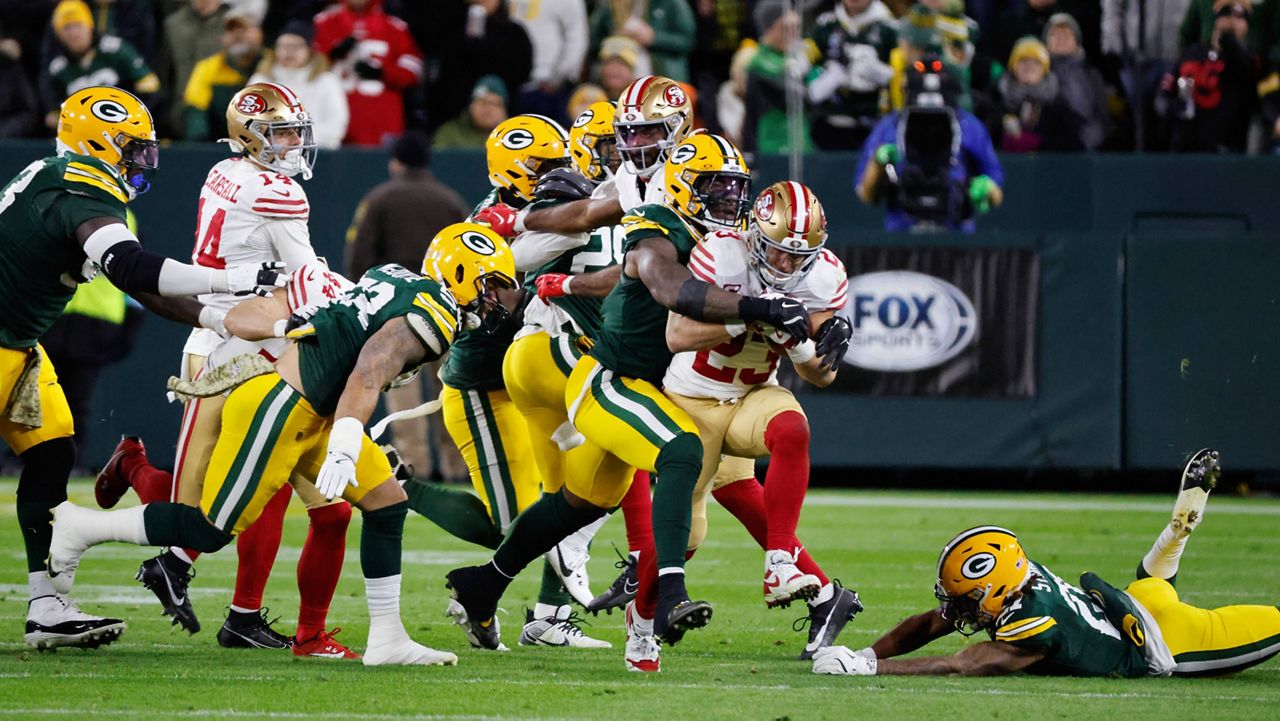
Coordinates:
(1040, 624)
(62, 220)
(283, 421)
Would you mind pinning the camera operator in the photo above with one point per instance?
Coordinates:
(931, 162)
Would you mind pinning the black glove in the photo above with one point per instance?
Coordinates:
(563, 184)
(367, 70)
(786, 314)
(832, 341)
(343, 49)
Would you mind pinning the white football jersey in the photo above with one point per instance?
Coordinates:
(310, 287)
(734, 367)
(628, 188)
(247, 215)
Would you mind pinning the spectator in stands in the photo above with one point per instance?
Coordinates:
(191, 33)
(1030, 97)
(1200, 24)
(87, 60)
(731, 101)
(663, 28)
(488, 107)
(558, 32)
(583, 97)
(1081, 93)
(292, 63)
(217, 78)
(1210, 98)
(377, 60)
(855, 40)
(19, 107)
(389, 227)
(1142, 41)
(470, 39)
(1028, 17)
(621, 61)
(282, 12)
(979, 73)
(765, 128)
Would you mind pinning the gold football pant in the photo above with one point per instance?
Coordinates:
(269, 432)
(732, 436)
(536, 370)
(1209, 642)
(493, 439)
(55, 413)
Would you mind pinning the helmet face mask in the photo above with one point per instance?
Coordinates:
(725, 198)
(964, 612)
(487, 308)
(643, 146)
(289, 148)
(139, 158)
(764, 256)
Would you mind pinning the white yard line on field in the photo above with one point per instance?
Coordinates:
(1026, 503)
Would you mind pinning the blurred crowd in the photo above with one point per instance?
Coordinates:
(1040, 75)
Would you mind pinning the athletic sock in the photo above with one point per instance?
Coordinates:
(552, 592)
(381, 539)
(458, 511)
(745, 500)
(150, 483)
(320, 566)
(678, 465)
(187, 555)
(173, 563)
(826, 593)
(637, 512)
(537, 529)
(671, 588)
(1165, 554)
(383, 597)
(787, 438)
(257, 548)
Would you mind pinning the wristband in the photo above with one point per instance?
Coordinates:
(346, 437)
(735, 329)
(280, 328)
(564, 286)
(213, 319)
(803, 353)
(518, 226)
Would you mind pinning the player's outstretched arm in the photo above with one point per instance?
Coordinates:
(258, 318)
(988, 658)
(912, 633)
(578, 216)
(187, 311)
(687, 334)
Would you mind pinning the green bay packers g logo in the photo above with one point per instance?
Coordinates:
(109, 110)
(978, 565)
(518, 139)
(586, 117)
(684, 153)
(478, 242)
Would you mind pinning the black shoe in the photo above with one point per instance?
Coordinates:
(251, 630)
(475, 591)
(827, 619)
(674, 619)
(621, 592)
(171, 588)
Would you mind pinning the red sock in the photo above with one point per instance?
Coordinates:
(745, 500)
(150, 483)
(647, 575)
(637, 513)
(320, 566)
(787, 438)
(257, 548)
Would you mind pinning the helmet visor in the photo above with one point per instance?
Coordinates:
(290, 147)
(606, 150)
(488, 305)
(140, 159)
(642, 145)
(725, 198)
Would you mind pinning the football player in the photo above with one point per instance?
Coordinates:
(307, 415)
(613, 395)
(1039, 623)
(62, 219)
(251, 208)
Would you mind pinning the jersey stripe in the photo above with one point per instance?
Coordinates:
(280, 211)
(95, 180)
(443, 319)
(700, 268)
(281, 201)
(1027, 629)
(639, 222)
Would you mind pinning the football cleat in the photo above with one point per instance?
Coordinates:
(475, 605)
(1199, 476)
(407, 652)
(251, 630)
(642, 652)
(57, 622)
(557, 631)
(784, 582)
(827, 619)
(171, 588)
(111, 484)
(66, 547)
(568, 560)
(322, 645)
(622, 590)
(674, 619)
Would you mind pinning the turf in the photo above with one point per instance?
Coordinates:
(742, 666)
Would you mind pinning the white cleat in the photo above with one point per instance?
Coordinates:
(561, 630)
(456, 612)
(643, 652)
(568, 559)
(784, 582)
(56, 622)
(407, 652)
(1199, 476)
(67, 546)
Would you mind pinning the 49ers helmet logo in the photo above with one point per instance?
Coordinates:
(764, 206)
(518, 139)
(251, 104)
(978, 565)
(478, 243)
(109, 110)
(675, 96)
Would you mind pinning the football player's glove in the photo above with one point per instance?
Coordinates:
(553, 285)
(258, 279)
(833, 340)
(840, 661)
(500, 217)
(785, 314)
(563, 184)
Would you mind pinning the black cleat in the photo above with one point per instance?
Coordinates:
(671, 622)
(621, 592)
(475, 591)
(171, 589)
(827, 619)
(251, 630)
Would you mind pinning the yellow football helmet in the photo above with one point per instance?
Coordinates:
(592, 144)
(979, 571)
(524, 148)
(472, 262)
(707, 182)
(115, 127)
(261, 111)
(786, 217)
(654, 115)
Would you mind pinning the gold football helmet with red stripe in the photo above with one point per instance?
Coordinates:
(786, 219)
(979, 572)
(654, 115)
(267, 122)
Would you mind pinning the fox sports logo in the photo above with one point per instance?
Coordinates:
(907, 321)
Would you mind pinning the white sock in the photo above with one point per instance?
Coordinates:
(238, 609)
(642, 626)
(635, 555)
(670, 570)
(182, 555)
(545, 610)
(826, 593)
(588, 532)
(383, 596)
(125, 525)
(1162, 560)
(39, 585)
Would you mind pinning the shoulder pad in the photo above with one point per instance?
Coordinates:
(563, 184)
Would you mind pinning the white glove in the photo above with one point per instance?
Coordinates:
(256, 279)
(866, 72)
(339, 469)
(829, 81)
(840, 661)
(214, 320)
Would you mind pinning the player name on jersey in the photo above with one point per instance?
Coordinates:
(222, 186)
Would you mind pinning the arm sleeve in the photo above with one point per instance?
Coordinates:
(533, 249)
(132, 269)
(290, 241)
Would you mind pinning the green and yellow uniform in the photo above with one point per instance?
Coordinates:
(270, 429)
(41, 263)
(112, 61)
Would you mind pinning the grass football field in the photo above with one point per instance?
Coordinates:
(884, 544)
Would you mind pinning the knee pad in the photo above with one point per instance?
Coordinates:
(788, 428)
(681, 455)
(45, 470)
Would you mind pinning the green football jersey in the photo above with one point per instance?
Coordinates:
(474, 362)
(632, 337)
(40, 260)
(112, 62)
(1062, 621)
(331, 341)
(602, 250)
